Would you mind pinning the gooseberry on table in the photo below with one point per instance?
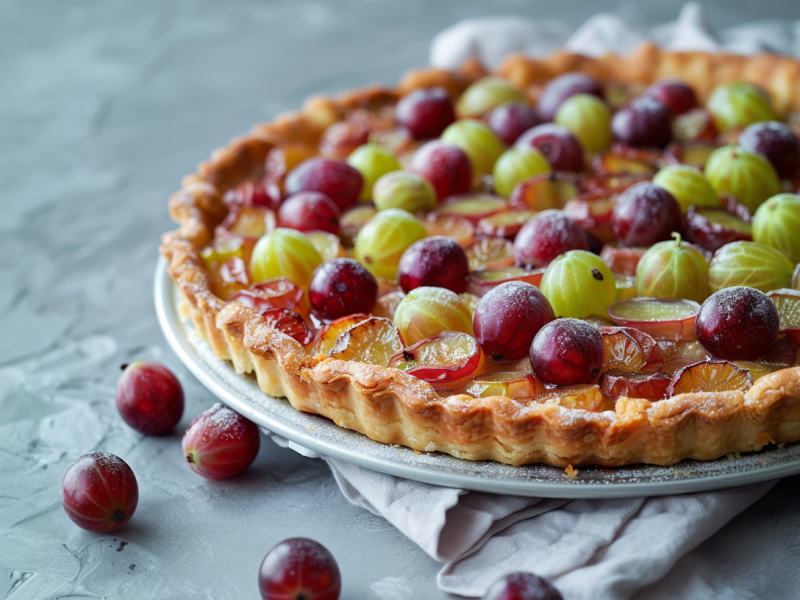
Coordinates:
(299, 569)
(99, 492)
(149, 397)
(522, 586)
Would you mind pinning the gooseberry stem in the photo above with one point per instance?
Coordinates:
(677, 237)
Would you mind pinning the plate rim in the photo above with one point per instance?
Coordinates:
(171, 326)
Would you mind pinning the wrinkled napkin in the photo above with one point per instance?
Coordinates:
(591, 549)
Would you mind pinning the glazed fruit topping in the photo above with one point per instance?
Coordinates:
(447, 167)
(289, 323)
(341, 287)
(549, 234)
(373, 341)
(578, 270)
(220, 443)
(644, 122)
(662, 319)
(645, 214)
(543, 192)
(510, 384)
(567, 352)
(340, 139)
(581, 396)
(334, 178)
(327, 244)
(299, 569)
(610, 163)
(710, 376)
(99, 492)
(737, 323)
(622, 352)
(474, 207)
(490, 253)
(622, 260)
(558, 144)
(264, 193)
(695, 125)
(273, 293)
(645, 385)
(435, 261)
(448, 359)
(149, 397)
(522, 586)
(249, 221)
(712, 228)
(457, 228)
(481, 282)
(505, 224)
(565, 86)
(787, 303)
(428, 311)
(511, 120)
(328, 334)
(507, 319)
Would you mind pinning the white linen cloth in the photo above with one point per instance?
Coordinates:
(590, 549)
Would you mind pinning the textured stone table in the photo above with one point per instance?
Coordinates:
(104, 107)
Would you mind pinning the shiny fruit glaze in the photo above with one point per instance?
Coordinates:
(426, 112)
(522, 586)
(149, 397)
(738, 323)
(309, 211)
(220, 443)
(435, 261)
(507, 319)
(299, 569)
(341, 287)
(567, 352)
(99, 492)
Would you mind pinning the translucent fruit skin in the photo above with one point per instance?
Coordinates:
(675, 94)
(672, 269)
(558, 144)
(425, 112)
(299, 569)
(435, 261)
(567, 352)
(477, 141)
(149, 398)
(739, 105)
(507, 319)
(589, 119)
(644, 122)
(372, 161)
(645, 214)
(340, 287)
(522, 586)
(546, 236)
(404, 190)
(579, 284)
(285, 253)
(747, 176)
(99, 492)
(428, 311)
(777, 142)
(511, 120)
(563, 87)
(486, 94)
(447, 167)
(749, 264)
(738, 323)
(516, 165)
(382, 240)
(220, 443)
(334, 178)
(777, 224)
(309, 211)
(687, 185)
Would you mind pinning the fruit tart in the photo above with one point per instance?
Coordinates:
(574, 261)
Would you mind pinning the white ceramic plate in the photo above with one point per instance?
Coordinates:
(323, 436)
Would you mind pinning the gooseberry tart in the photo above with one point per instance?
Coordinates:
(575, 261)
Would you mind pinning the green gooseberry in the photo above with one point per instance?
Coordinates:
(739, 104)
(486, 94)
(285, 253)
(777, 224)
(589, 119)
(579, 284)
(687, 185)
(477, 141)
(516, 165)
(672, 269)
(750, 264)
(372, 161)
(401, 189)
(427, 311)
(382, 240)
(747, 176)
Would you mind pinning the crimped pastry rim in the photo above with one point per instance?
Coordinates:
(392, 407)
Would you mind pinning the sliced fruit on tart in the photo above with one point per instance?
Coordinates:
(448, 359)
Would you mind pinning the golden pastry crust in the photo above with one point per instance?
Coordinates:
(396, 408)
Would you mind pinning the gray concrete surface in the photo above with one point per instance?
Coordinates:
(104, 105)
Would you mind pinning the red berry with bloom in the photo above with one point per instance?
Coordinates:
(436, 261)
(558, 144)
(309, 211)
(342, 287)
(567, 352)
(645, 214)
(299, 569)
(220, 443)
(674, 94)
(644, 122)
(509, 121)
(447, 167)
(546, 236)
(425, 112)
(149, 397)
(334, 178)
(522, 586)
(565, 86)
(99, 492)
